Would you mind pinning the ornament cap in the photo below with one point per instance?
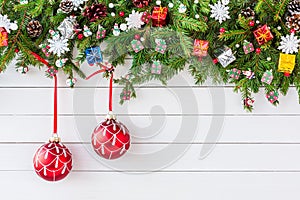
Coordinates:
(54, 138)
(110, 115)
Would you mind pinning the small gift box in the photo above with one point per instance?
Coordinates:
(93, 55)
(156, 67)
(225, 56)
(263, 35)
(137, 45)
(161, 46)
(286, 63)
(267, 77)
(101, 33)
(272, 97)
(3, 37)
(200, 47)
(234, 73)
(125, 95)
(248, 47)
(159, 16)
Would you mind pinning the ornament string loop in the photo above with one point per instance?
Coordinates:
(45, 62)
(106, 68)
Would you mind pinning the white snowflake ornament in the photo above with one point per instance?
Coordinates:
(5, 23)
(289, 44)
(219, 11)
(77, 3)
(135, 20)
(58, 45)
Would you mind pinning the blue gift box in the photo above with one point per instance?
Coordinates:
(93, 55)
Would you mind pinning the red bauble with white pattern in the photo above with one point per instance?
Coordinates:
(53, 161)
(111, 139)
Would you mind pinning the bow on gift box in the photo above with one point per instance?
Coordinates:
(161, 14)
(263, 35)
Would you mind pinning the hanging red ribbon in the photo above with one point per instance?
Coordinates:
(45, 62)
(55, 106)
(110, 107)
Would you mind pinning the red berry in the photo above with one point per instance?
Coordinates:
(122, 14)
(292, 31)
(222, 30)
(287, 74)
(215, 60)
(137, 37)
(251, 23)
(80, 36)
(17, 50)
(258, 50)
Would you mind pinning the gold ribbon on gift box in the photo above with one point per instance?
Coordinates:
(263, 34)
(159, 13)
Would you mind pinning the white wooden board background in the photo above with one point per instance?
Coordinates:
(256, 156)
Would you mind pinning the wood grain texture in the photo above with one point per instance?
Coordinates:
(256, 155)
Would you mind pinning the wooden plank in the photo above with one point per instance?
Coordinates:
(177, 186)
(36, 78)
(156, 129)
(151, 100)
(168, 157)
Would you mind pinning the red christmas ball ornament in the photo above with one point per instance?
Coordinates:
(122, 14)
(111, 138)
(292, 31)
(222, 30)
(53, 160)
(80, 36)
(251, 23)
(258, 50)
(215, 60)
(17, 50)
(137, 36)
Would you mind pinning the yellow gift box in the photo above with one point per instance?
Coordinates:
(286, 63)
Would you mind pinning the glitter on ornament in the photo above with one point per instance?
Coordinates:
(93, 55)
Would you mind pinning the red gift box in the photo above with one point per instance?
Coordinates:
(159, 16)
(3, 37)
(201, 47)
(263, 35)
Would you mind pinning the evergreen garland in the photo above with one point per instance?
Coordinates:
(186, 21)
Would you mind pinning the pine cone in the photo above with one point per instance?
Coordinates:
(95, 12)
(34, 28)
(66, 6)
(248, 13)
(293, 22)
(141, 3)
(294, 7)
